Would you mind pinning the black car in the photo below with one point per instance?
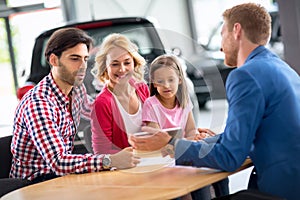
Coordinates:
(141, 31)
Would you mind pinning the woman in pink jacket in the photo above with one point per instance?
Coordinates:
(118, 108)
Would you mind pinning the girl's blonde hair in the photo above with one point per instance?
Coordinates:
(173, 63)
(117, 40)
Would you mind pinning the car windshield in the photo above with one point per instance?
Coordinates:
(138, 35)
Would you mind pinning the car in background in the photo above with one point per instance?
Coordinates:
(139, 30)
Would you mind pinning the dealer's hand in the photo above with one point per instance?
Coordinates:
(154, 142)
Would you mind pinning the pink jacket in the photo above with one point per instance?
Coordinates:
(107, 125)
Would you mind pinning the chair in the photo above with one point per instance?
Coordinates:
(8, 184)
(5, 156)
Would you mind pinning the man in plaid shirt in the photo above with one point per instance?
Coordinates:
(47, 118)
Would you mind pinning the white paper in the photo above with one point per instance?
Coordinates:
(167, 160)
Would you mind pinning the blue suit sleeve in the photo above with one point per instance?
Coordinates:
(246, 108)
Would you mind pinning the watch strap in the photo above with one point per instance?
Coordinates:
(172, 141)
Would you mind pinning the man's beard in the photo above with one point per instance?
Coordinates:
(231, 57)
(69, 77)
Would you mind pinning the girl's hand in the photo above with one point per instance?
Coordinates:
(168, 150)
(207, 132)
(200, 136)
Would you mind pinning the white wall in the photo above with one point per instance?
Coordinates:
(171, 17)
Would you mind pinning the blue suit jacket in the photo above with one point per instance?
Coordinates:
(263, 123)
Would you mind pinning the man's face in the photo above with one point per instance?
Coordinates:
(229, 47)
(72, 65)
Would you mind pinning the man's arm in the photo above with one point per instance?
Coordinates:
(246, 107)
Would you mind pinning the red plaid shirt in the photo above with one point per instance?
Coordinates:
(44, 133)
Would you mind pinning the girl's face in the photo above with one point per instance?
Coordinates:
(166, 82)
(120, 66)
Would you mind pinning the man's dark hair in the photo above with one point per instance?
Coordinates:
(65, 38)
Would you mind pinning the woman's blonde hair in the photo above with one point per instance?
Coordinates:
(173, 63)
(117, 40)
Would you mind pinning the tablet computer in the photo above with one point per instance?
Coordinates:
(174, 132)
(142, 134)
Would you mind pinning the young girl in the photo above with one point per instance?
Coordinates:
(169, 104)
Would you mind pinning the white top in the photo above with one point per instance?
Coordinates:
(132, 122)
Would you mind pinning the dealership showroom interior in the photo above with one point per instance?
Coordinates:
(190, 30)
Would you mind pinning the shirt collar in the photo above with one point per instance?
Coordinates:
(255, 52)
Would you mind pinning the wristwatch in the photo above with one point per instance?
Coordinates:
(106, 162)
(172, 141)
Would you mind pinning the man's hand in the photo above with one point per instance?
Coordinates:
(124, 159)
(153, 142)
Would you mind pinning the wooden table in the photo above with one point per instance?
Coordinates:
(164, 183)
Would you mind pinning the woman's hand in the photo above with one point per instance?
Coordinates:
(124, 159)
